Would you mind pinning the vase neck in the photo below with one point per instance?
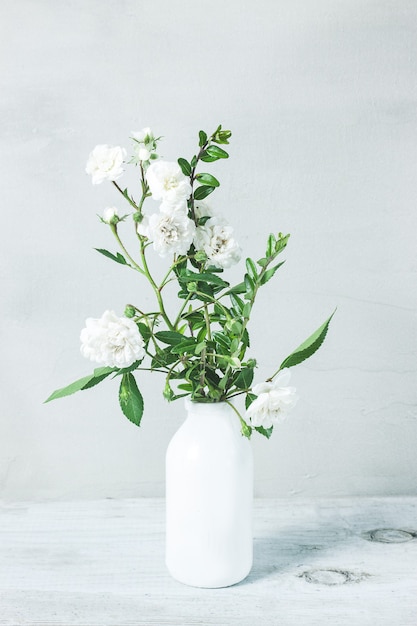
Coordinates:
(207, 409)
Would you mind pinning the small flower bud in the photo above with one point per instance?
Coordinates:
(200, 256)
(137, 217)
(130, 311)
(143, 154)
(191, 287)
(110, 215)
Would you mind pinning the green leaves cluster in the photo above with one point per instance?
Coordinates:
(203, 351)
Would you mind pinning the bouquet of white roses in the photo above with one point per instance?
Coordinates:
(202, 350)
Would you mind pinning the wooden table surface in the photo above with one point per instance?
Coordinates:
(316, 562)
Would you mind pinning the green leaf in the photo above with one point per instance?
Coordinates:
(118, 258)
(270, 245)
(266, 432)
(194, 161)
(186, 345)
(240, 288)
(249, 284)
(202, 138)
(237, 303)
(217, 152)
(269, 273)
(246, 310)
(170, 337)
(82, 383)
(131, 368)
(145, 331)
(163, 358)
(308, 347)
(204, 276)
(222, 136)
(245, 378)
(250, 397)
(185, 387)
(207, 179)
(202, 192)
(251, 268)
(130, 398)
(222, 341)
(213, 153)
(185, 167)
(280, 243)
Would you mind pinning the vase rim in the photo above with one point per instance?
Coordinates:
(202, 407)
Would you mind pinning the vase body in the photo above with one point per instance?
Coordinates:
(209, 492)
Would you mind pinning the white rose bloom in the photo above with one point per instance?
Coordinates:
(111, 340)
(174, 207)
(105, 162)
(144, 136)
(109, 213)
(274, 401)
(171, 234)
(216, 240)
(202, 209)
(167, 182)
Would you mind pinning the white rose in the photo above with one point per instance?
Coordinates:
(174, 207)
(171, 234)
(167, 182)
(274, 401)
(111, 340)
(105, 162)
(143, 136)
(108, 214)
(202, 209)
(216, 239)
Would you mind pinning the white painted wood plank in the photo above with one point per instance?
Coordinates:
(102, 563)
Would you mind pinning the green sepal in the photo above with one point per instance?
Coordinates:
(130, 398)
(308, 347)
(246, 430)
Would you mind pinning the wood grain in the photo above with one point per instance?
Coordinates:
(101, 563)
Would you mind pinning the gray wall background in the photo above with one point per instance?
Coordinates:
(321, 98)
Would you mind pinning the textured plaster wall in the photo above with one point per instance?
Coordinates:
(321, 98)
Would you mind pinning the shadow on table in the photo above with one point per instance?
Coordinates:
(292, 547)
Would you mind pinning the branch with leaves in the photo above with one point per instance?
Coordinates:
(202, 350)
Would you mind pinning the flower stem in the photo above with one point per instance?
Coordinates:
(137, 267)
(154, 285)
(130, 200)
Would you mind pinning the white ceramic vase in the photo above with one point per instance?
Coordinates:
(209, 493)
